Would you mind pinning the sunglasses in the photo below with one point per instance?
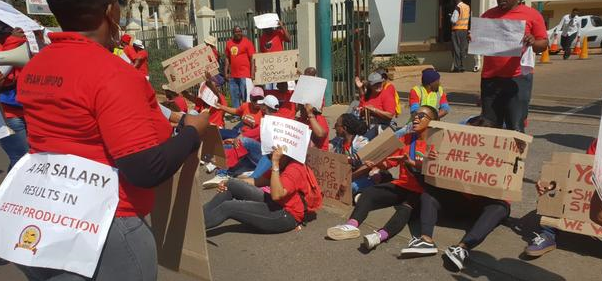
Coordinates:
(422, 115)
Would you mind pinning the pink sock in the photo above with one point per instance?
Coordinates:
(384, 235)
(353, 222)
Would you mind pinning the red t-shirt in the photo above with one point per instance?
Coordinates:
(246, 109)
(294, 179)
(321, 143)
(240, 55)
(216, 117)
(385, 100)
(508, 67)
(273, 42)
(102, 110)
(287, 108)
(12, 42)
(181, 103)
(143, 56)
(130, 52)
(406, 178)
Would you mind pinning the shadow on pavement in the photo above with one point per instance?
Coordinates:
(233, 228)
(527, 271)
(580, 142)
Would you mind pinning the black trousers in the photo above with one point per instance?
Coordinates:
(491, 211)
(566, 42)
(383, 196)
(460, 47)
(505, 101)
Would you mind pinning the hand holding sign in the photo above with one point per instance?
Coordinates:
(208, 96)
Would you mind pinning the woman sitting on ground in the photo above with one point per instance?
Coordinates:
(277, 207)
(402, 194)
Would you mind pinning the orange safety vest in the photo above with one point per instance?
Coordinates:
(462, 23)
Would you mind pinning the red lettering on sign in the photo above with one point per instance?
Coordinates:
(584, 173)
(597, 229)
(466, 139)
(573, 225)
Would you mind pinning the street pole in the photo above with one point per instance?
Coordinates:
(140, 9)
(157, 29)
(325, 35)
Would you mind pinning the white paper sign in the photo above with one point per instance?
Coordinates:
(38, 7)
(33, 43)
(527, 62)
(496, 37)
(310, 90)
(56, 211)
(597, 175)
(290, 134)
(184, 42)
(269, 20)
(14, 18)
(207, 95)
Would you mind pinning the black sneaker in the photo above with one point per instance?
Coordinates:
(418, 247)
(457, 255)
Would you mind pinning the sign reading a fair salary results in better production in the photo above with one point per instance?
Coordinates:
(293, 136)
(56, 211)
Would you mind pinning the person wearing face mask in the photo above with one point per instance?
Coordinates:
(505, 91)
(239, 52)
(105, 111)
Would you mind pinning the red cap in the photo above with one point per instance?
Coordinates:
(126, 38)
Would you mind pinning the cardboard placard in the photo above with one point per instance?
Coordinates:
(188, 68)
(275, 67)
(481, 161)
(598, 163)
(566, 206)
(310, 90)
(333, 173)
(212, 149)
(293, 136)
(178, 223)
(381, 147)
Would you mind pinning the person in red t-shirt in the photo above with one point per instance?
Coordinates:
(216, 116)
(317, 123)
(276, 208)
(128, 49)
(377, 104)
(272, 39)
(141, 58)
(14, 145)
(239, 52)
(105, 111)
(287, 108)
(249, 112)
(403, 193)
(175, 99)
(505, 91)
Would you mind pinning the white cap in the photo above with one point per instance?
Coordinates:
(138, 44)
(270, 101)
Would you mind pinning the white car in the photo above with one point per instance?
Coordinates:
(591, 27)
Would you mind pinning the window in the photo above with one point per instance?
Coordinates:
(409, 11)
(583, 22)
(596, 21)
(152, 8)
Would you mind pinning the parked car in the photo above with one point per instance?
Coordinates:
(591, 27)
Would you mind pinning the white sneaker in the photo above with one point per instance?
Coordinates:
(210, 167)
(215, 181)
(372, 240)
(343, 232)
(246, 174)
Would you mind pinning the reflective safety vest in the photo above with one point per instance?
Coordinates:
(431, 99)
(462, 23)
(397, 100)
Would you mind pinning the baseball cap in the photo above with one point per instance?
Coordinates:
(375, 78)
(257, 92)
(138, 44)
(270, 101)
(211, 40)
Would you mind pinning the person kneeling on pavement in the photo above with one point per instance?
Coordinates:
(276, 203)
(402, 194)
(434, 199)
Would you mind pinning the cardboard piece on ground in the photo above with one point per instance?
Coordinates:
(275, 67)
(14, 18)
(184, 42)
(207, 95)
(310, 90)
(178, 223)
(481, 161)
(333, 173)
(567, 205)
(293, 136)
(269, 20)
(212, 149)
(381, 147)
(188, 68)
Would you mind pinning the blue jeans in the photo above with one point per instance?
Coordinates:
(238, 91)
(359, 184)
(253, 147)
(231, 133)
(264, 165)
(15, 145)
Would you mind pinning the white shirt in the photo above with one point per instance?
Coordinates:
(456, 14)
(570, 26)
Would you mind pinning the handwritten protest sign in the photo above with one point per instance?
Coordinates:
(269, 20)
(567, 204)
(14, 18)
(207, 95)
(380, 147)
(188, 68)
(212, 148)
(275, 67)
(310, 90)
(333, 173)
(480, 161)
(290, 134)
(56, 211)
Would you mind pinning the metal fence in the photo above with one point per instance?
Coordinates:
(161, 45)
(351, 54)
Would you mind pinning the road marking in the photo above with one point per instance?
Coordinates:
(563, 115)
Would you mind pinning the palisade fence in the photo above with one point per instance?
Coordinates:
(161, 45)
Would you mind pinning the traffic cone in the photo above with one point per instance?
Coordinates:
(584, 51)
(577, 49)
(554, 47)
(545, 57)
